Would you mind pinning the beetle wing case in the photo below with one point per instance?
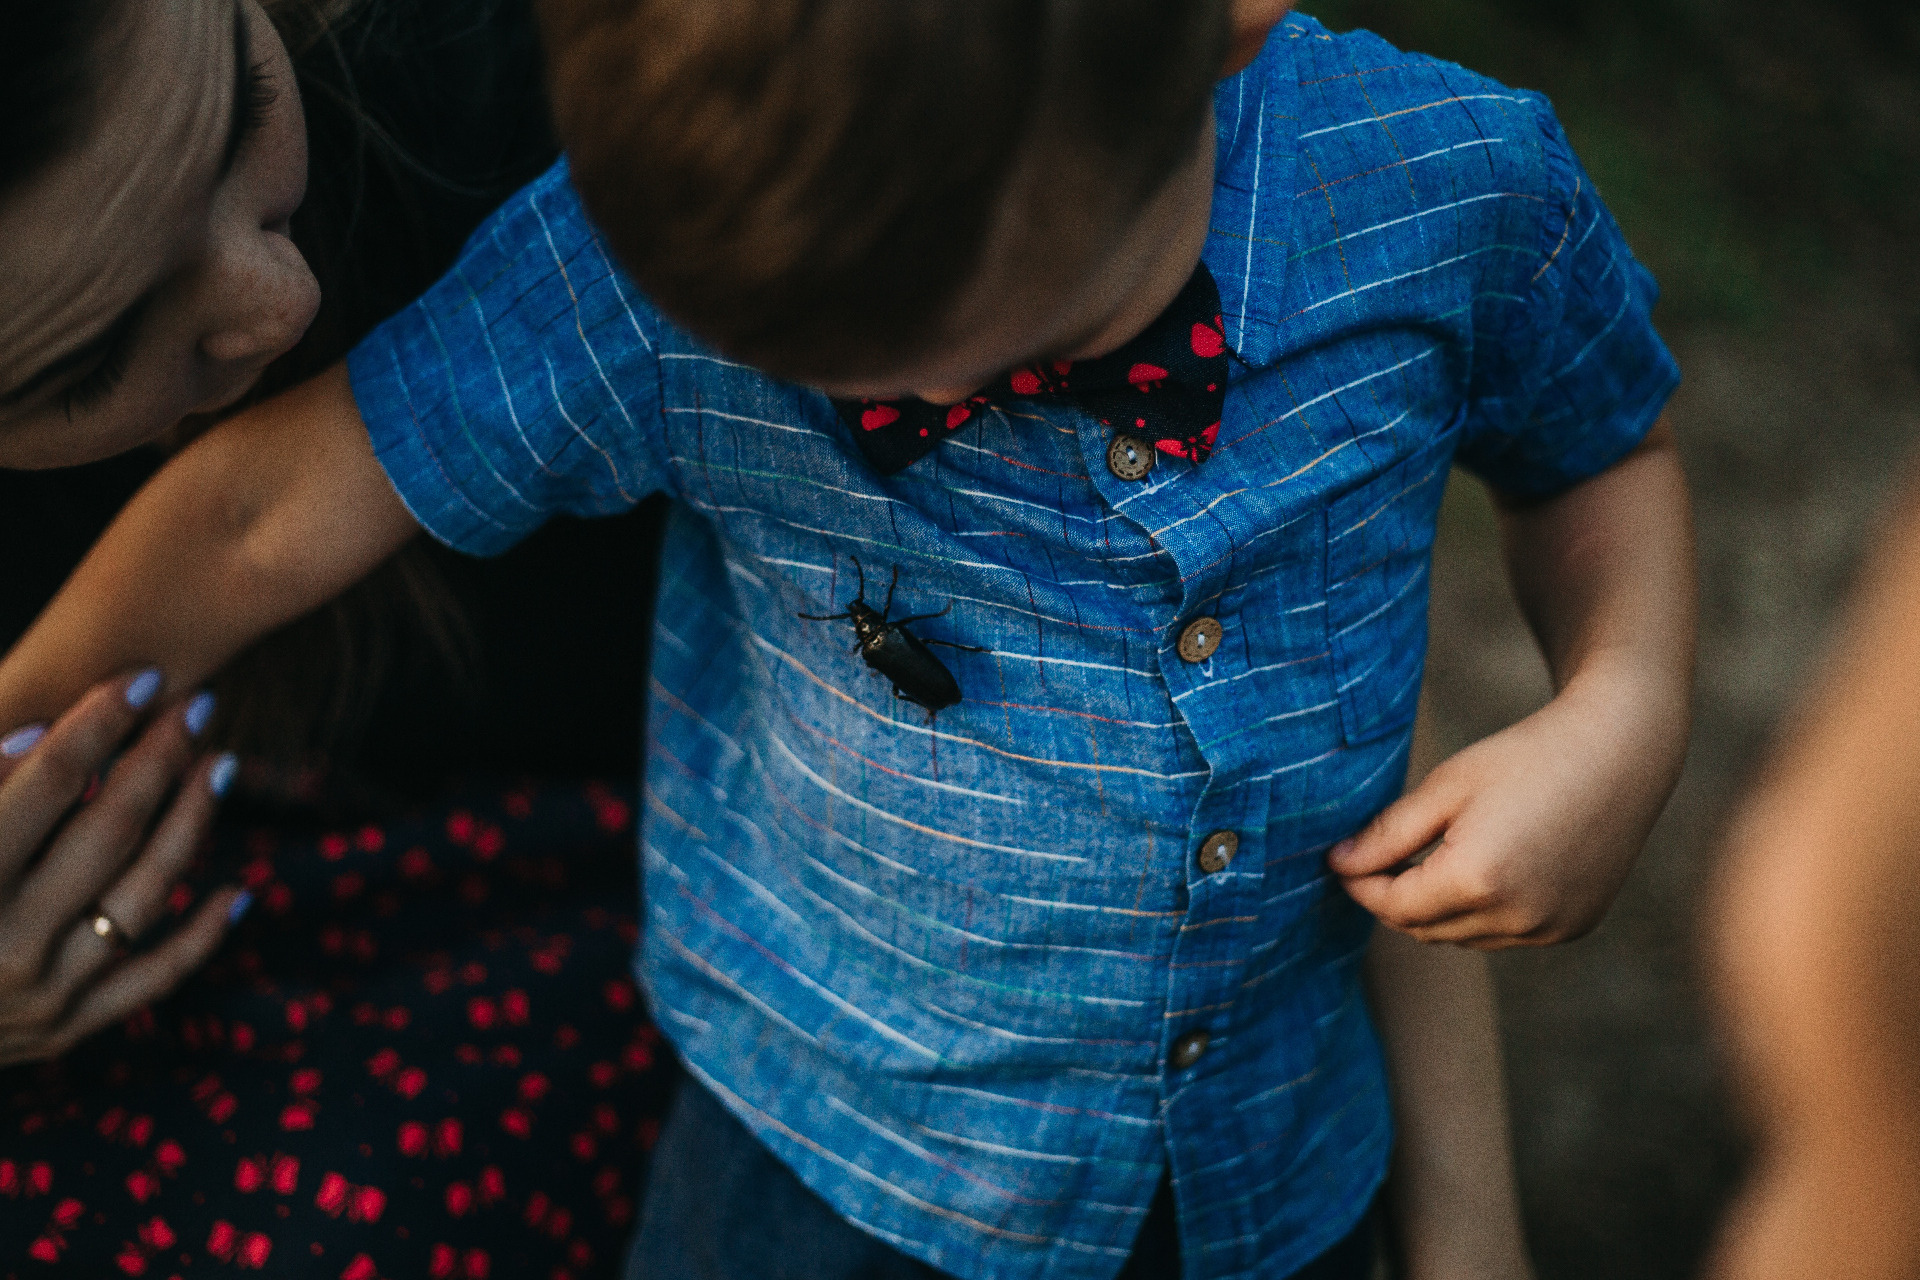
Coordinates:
(917, 675)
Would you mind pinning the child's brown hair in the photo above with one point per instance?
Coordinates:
(808, 184)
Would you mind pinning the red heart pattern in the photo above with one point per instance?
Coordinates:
(1166, 386)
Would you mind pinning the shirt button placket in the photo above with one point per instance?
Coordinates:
(1199, 640)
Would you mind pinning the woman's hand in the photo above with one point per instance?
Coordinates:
(64, 863)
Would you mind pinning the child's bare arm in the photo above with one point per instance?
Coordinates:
(1539, 825)
(1451, 1199)
(1817, 947)
(265, 517)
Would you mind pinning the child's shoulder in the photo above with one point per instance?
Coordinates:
(537, 262)
(1356, 76)
(1368, 113)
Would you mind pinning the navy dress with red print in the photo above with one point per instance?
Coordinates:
(1166, 387)
(419, 1058)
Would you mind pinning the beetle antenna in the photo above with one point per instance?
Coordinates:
(823, 617)
(890, 586)
(857, 567)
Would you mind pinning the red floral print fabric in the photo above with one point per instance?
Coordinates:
(419, 1058)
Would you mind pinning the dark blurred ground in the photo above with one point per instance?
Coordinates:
(1764, 159)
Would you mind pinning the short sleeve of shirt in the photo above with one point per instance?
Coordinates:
(1574, 377)
(523, 385)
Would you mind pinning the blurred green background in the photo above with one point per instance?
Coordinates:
(1764, 159)
(1750, 147)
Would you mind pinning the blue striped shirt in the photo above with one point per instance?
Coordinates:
(943, 969)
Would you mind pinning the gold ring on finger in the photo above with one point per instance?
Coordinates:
(104, 927)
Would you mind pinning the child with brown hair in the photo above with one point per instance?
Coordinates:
(1056, 438)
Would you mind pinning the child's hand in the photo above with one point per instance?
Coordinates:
(1537, 825)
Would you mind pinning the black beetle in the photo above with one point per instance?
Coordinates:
(896, 653)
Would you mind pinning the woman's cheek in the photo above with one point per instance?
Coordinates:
(163, 384)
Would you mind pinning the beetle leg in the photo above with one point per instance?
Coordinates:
(823, 617)
(948, 644)
(901, 697)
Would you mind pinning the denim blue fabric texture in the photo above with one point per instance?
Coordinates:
(954, 973)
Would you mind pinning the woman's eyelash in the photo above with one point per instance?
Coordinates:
(257, 101)
(100, 380)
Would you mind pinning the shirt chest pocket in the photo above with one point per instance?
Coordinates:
(1379, 550)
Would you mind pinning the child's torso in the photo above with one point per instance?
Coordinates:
(952, 969)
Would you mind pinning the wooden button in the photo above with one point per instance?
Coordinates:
(1187, 1049)
(1129, 458)
(1200, 639)
(1218, 851)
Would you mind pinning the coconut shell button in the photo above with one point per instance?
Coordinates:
(1218, 851)
(1187, 1050)
(1129, 458)
(1200, 639)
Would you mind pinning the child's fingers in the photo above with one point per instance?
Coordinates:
(1476, 930)
(1422, 897)
(1493, 928)
(1500, 939)
(1400, 831)
(1498, 942)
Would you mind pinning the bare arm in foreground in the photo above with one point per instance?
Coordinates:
(1816, 940)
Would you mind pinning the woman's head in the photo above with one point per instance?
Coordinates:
(151, 155)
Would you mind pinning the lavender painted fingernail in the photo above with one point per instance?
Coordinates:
(21, 741)
(220, 777)
(199, 712)
(140, 692)
(239, 908)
